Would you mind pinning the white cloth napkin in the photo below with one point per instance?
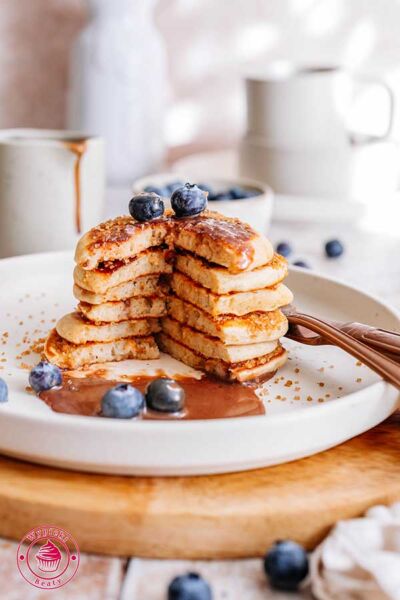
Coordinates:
(360, 558)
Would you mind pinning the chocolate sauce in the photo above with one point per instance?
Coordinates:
(206, 398)
(77, 147)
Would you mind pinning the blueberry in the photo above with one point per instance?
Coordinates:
(220, 196)
(165, 395)
(174, 185)
(122, 402)
(146, 206)
(154, 189)
(334, 248)
(206, 188)
(44, 377)
(301, 263)
(238, 193)
(188, 200)
(286, 565)
(3, 391)
(284, 249)
(189, 587)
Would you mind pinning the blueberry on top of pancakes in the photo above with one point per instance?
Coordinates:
(188, 200)
(146, 206)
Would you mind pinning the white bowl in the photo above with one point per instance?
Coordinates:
(256, 211)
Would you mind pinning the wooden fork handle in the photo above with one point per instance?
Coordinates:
(385, 367)
(380, 339)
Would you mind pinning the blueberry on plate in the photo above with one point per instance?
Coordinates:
(190, 586)
(3, 391)
(284, 249)
(286, 565)
(188, 200)
(146, 206)
(301, 263)
(334, 248)
(165, 395)
(122, 402)
(44, 377)
(155, 189)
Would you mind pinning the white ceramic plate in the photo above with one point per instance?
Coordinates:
(321, 398)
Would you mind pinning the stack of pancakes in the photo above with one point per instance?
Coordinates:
(206, 289)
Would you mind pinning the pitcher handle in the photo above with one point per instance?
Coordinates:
(378, 81)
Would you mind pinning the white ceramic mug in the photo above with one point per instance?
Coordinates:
(52, 187)
(292, 106)
(356, 171)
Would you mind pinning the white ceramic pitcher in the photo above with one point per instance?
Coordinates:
(51, 189)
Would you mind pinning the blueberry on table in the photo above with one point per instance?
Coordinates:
(189, 587)
(188, 200)
(44, 377)
(165, 395)
(286, 565)
(146, 206)
(122, 402)
(3, 391)
(334, 248)
(284, 249)
(301, 263)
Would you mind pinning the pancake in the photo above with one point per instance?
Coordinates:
(224, 241)
(149, 262)
(248, 329)
(76, 329)
(118, 239)
(132, 308)
(238, 303)
(220, 281)
(147, 285)
(257, 368)
(72, 356)
(211, 347)
(215, 237)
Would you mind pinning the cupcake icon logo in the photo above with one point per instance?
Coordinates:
(48, 557)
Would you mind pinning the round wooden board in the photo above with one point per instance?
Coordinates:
(221, 516)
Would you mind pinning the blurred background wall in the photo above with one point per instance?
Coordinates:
(209, 45)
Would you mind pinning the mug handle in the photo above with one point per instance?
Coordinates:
(377, 81)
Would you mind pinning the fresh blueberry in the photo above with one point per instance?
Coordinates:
(146, 206)
(220, 196)
(286, 565)
(238, 193)
(3, 391)
(334, 248)
(122, 402)
(44, 377)
(284, 249)
(188, 200)
(174, 185)
(301, 263)
(165, 395)
(189, 587)
(154, 189)
(206, 188)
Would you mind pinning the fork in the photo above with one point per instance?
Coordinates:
(378, 349)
